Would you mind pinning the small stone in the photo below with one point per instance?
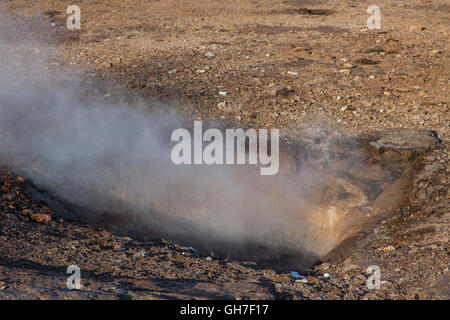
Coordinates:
(141, 254)
(279, 91)
(347, 65)
(27, 212)
(313, 280)
(223, 93)
(292, 73)
(402, 90)
(209, 54)
(344, 108)
(222, 105)
(345, 71)
(41, 218)
(20, 180)
(173, 71)
(325, 266)
(107, 64)
(388, 249)
(416, 28)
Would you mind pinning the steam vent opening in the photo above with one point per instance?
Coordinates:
(330, 186)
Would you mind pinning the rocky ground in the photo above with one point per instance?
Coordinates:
(258, 64)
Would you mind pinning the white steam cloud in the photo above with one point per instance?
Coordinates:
(114, 160)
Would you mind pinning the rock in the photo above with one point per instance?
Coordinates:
(296, 275)
(388, 249)
(27, 212)
(292, 73)
(199, 19)
(416, 28)
(345, 71)
(405, 140)
(20, 180)
(173, 71)
(303, 280)
(222, 105)
(209, 54)
(313, 280)
(280, 91)
(142, 253)
(106, 64)
(223, 93)
(401, 90)
(41, 218)
(347, 65)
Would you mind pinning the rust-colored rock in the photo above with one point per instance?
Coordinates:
(41, 218)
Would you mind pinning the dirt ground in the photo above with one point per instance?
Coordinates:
(281, 64)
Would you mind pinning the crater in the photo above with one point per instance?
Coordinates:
(344, 183)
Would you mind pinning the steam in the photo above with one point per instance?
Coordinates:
(114, 160)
